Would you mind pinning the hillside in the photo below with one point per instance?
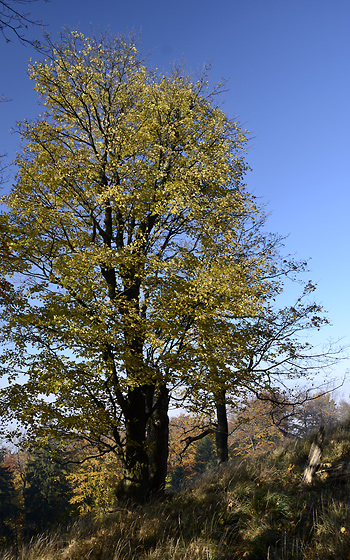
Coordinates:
(252, 509)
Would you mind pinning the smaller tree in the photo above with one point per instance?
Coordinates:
(262, 352)
(93, 482)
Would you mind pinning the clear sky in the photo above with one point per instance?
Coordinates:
(287, 63)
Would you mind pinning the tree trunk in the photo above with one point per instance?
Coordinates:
(221, 436)
(158, 437)
(135, 485)
(146, 444)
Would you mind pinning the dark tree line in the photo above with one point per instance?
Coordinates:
(34, 495)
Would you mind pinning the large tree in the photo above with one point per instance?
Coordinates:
(135, 242)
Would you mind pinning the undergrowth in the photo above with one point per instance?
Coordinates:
(254, 509)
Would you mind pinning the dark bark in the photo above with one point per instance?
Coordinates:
(158, 438)
(221, 435)
(146, 444)
(135, 485)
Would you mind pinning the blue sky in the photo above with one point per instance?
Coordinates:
(288, 69)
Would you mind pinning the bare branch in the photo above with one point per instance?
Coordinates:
(14, 22)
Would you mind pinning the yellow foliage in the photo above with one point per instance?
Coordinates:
(93, 484)
(136, 243)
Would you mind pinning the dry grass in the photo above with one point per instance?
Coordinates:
(251, 510)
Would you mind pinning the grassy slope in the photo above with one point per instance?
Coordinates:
(255, 509)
